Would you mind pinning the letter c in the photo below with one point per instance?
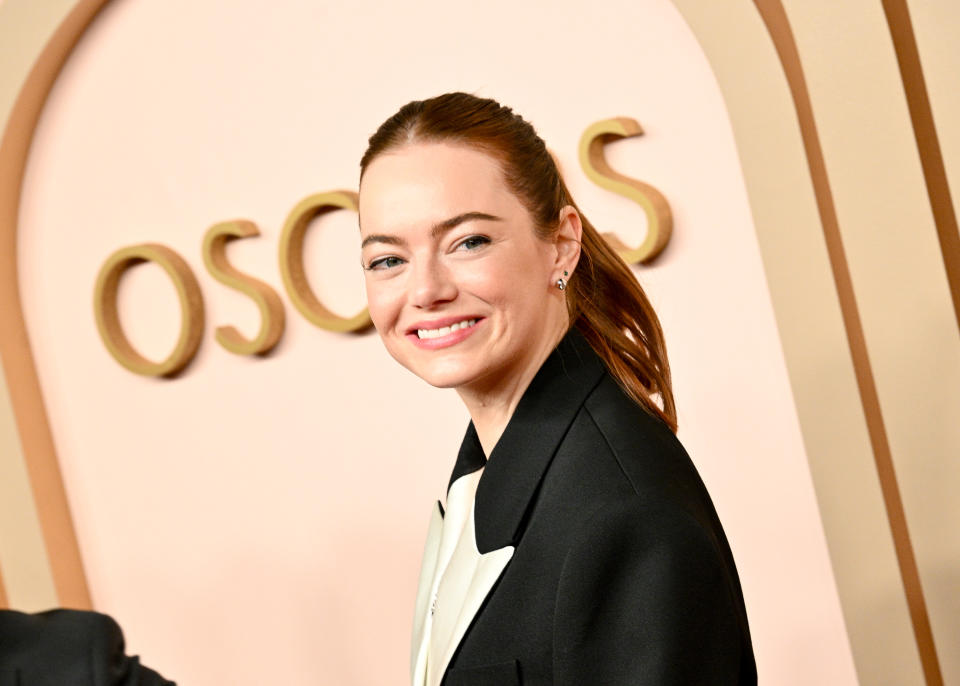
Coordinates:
(291, 261)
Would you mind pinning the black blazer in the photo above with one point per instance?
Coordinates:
(602, 557)
(67, 648)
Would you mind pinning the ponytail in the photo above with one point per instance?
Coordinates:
(608, 306)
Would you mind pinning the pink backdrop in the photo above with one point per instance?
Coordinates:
(260, 520)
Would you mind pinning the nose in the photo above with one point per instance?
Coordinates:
(430, 284)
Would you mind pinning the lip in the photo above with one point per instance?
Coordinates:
(451, 338)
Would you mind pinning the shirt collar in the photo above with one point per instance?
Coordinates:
(524, 451)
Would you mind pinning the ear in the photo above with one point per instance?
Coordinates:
(568, 238)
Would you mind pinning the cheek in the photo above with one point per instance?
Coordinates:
(517, 282)
(485, 284)
(500, 279)
(383, 303)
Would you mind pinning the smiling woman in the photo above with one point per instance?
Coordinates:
(578, 544)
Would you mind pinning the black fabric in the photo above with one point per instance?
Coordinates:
(622, 573)
(502, 674)
(67, 648)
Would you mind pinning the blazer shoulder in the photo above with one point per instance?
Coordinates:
(649, 454)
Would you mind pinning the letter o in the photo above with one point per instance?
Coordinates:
(108, 318)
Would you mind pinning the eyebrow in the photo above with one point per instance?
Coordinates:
(437, 230)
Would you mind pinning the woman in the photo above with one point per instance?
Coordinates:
(578, 544)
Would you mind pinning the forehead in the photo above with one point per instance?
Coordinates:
(422, 184)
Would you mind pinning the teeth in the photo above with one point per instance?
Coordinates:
(444, 330)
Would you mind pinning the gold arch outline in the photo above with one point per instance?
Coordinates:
(33, 425)
(778, 26)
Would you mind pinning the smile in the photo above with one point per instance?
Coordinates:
(443, 333)
(445, 330)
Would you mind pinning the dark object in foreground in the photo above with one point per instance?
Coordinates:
(67, 648)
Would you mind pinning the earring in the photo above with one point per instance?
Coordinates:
(561, 284)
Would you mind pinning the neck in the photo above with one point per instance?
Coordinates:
(492, 405)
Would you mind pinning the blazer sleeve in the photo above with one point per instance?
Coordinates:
(73, 647)
(644, 600)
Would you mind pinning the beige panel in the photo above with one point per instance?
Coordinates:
(814, 340)
(936, 26)
(24, 29)
(899, 279)
(26, 570)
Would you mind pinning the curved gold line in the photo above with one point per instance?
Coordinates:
(928, 143)
(778, 25)
(19, 366)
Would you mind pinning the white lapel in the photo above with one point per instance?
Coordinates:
(442, 538)
(469, 576)
(454, 570)
(428, 566)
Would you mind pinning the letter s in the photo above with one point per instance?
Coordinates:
(272, 318)
(655, 206)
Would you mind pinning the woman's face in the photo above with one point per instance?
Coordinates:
(459, 286)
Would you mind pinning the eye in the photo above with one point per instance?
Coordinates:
(387, 262)
(472, 243)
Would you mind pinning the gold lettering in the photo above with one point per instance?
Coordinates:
(655, 206)
(291, 261)
(108, 318)
(272, 317)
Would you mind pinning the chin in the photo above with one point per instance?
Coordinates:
(443, 368)
(445, 378)
(442, 373)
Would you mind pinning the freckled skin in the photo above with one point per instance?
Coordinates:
(497, 271)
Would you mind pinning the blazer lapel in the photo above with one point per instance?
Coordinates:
(523, 454)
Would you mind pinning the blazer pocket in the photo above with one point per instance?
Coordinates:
(499, 674)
